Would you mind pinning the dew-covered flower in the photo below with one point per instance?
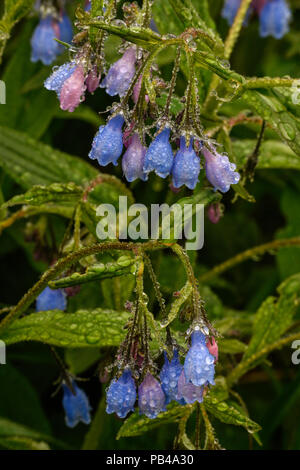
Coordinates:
(152, 399)
(220, 172)
(43, 44)
(188, 392)
(199, 366)
(121, 395)
(169, 376)
(120, 74)
(133, 160)
(72, 91)
(274, 19)
(108, 143)
(186, 166)
(59, 76)
(159, 156)
(51, 299)
(77, 407)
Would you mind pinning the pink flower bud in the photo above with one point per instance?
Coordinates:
(212, 346)
(72, 92)
(93, 80)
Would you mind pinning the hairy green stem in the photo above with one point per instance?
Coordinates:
(248, 254)
(236, 28)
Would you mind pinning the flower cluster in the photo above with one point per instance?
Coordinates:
(181, 383)
(274, 15)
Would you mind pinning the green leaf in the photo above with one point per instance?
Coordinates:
(31, 163)
(84, 328)
(229, 413)
(273, 111)
(274, 316)
(123, 265)
(136, 424)
(231, 346)
(272, 154)
(67, 193)
(17, 436)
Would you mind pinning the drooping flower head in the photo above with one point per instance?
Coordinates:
(159, 156)
(51, 299)
(169, 376)
(188, 392)
(186, 167)
(120, 74)
(77, 407)
(219, 171)
(108, 143)
(199, 366)
(152, 399)
(43, 44)
(121, 395)
(274, 19)
(133, 160)
(72, 90)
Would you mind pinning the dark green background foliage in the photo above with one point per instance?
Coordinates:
(253, 305)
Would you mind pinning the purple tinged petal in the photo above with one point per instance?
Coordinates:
(121, 395)
(186, 167)
(120, 74)
(108, 142)
(152, 399)
(72, 91)
(188, 392)
(133, 160)
(159, 157)
(219, 171)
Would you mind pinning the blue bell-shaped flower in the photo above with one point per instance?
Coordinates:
(51, 299)
(121, 395)
(152, 399)
(169, 376)
(108, 143)
(186, 167)
(199, 368)
(274, 19)
(159, 156)
(77, 407)
(44, 47)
